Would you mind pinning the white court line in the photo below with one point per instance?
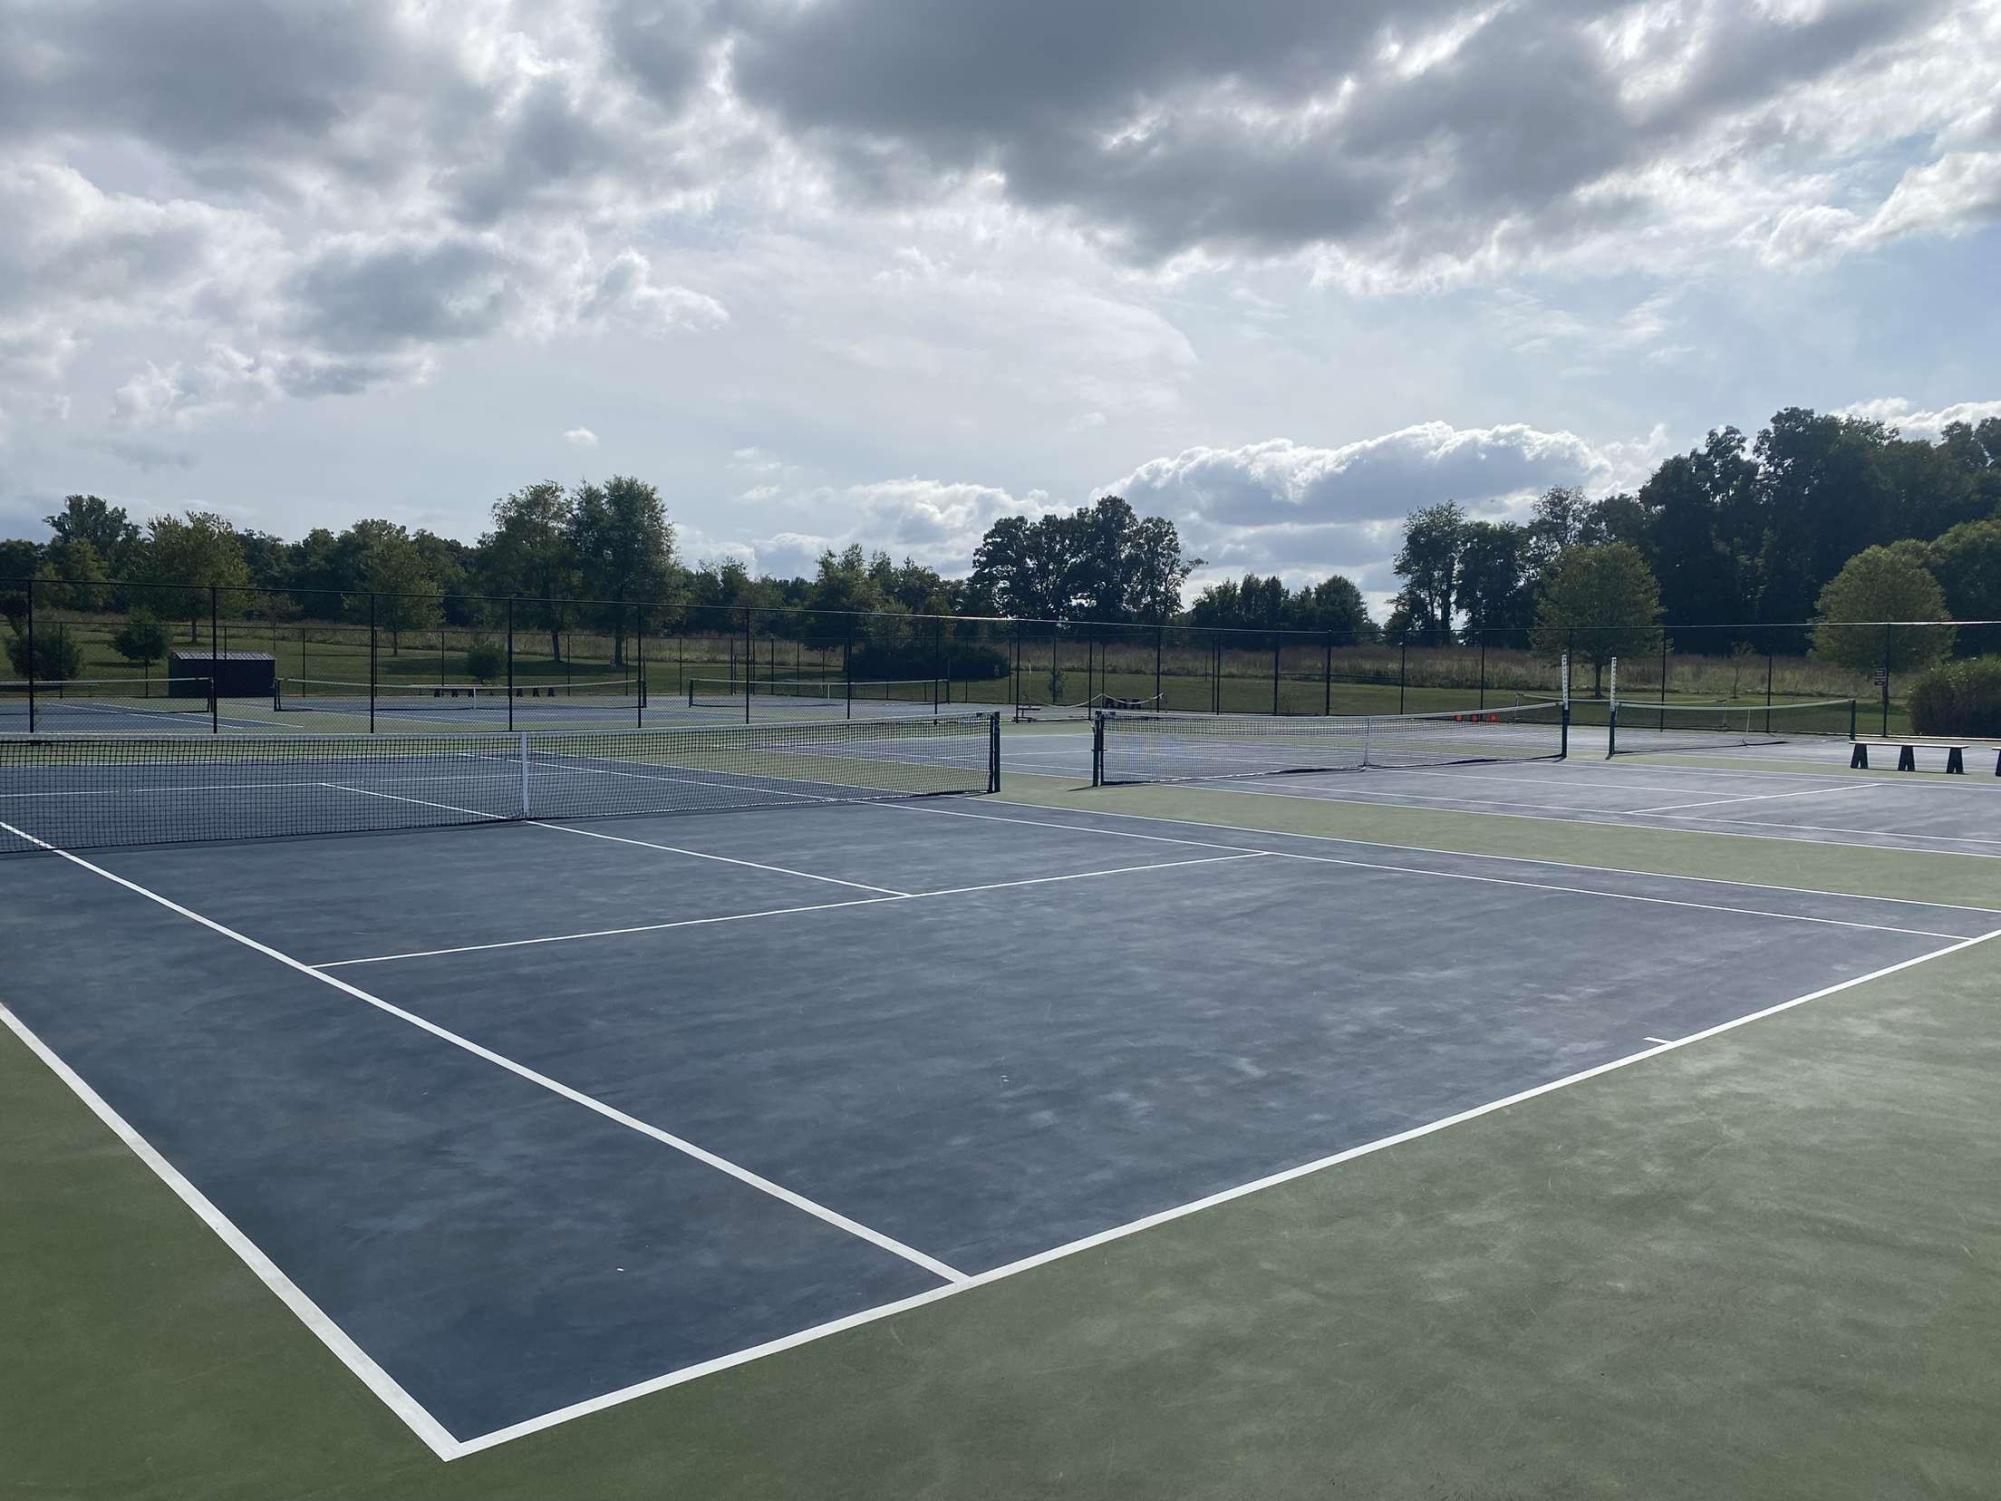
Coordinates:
(521, 1070)
(1452, 875)
(617, 839)
(288, 1292)
(1756, 797)
(1180, 1211)
(675, 849)
(1658, 1040)
(1557, 815)
(867, 901)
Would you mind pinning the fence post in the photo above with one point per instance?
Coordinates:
(1664, 666)
(1159, 639)
(1327, 674)
(214, 662)
(639, 698)
(749, 663)
(1483, 669)
(510, 661)
(1887, 628)
(938, 663)
(848, 667)
(371, 661)
(32, 664)
(1403, 671)
(1277, 642)
(1769, 655)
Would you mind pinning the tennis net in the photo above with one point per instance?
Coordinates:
(809, 693)
(1185, 747)
(1027, 713)
(1637, 728)
(333, 697)
(94, 792)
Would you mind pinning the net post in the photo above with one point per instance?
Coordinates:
(527, 808)
(1851, 719)
(214, 662)
(1097, 748)
(993, 752)
(31, 654)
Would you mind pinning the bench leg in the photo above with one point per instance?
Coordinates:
(1954, 764)
(1858, 760)
(1907, 759)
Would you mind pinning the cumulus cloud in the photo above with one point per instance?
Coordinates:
(1915, 422)
(1299, 509)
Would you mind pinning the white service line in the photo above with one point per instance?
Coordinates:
(520, 1070)
(1757, 797)
(1180, 1211)
(1775, 831)
(866, 901)
(675, 849)
(1453, 875)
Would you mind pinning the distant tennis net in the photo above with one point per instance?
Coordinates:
(816, 693)
(85, 792)
(336, 697)
(1142, 747)
(1637, 728)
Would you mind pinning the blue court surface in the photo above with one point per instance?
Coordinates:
(530, 1117)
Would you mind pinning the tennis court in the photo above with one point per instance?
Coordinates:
(532, 1117)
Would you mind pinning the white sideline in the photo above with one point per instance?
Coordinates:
(1180, 1211)
(309, 1313)
(520, 1070)
(1461, 875)
(1421, 849)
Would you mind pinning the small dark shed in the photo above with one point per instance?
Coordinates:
(237, 674)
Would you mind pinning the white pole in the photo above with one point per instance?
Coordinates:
(527, 809)
(1566, 680)
(1613, 683)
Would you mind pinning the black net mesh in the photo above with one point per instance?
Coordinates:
(85, 792)
(1641, 727)
(1183, 747)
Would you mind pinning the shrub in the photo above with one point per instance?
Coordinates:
(57, 655)
(485, 661)
(1959, 698)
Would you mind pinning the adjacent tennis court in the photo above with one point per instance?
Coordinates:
(535, 1116)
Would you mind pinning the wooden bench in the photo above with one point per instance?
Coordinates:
(1907, 745)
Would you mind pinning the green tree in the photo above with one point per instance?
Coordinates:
(1881, 584)
(527, 557)
(395, 585)
(1823, 497)
(623, 546)
(187, 555)
(57, 655)
(72, 576)
(142, 639)
(1334, 604)
(1598, 603)
(1966, 561)
(1026, 566)
(844, 582)
(485, 661)
(1428, 563)
(106, 528)
(1495, 589)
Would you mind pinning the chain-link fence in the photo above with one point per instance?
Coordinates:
(106, 655)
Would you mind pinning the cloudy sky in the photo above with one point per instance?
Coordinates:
(884, 270)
